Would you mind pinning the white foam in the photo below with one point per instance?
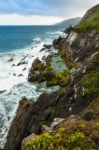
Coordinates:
(16, 86)
(13, 81)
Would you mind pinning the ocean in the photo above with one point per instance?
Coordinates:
(20, 44)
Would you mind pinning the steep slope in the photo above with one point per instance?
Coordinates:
(77, 103)
(90, 21)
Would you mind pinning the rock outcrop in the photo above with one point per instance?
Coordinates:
(80, 50)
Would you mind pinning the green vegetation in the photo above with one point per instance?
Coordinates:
(91, 83)
(92, 22)
(60, 141)
(52, 72)
(70, 64)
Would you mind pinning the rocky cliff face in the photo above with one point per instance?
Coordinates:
(80, 51)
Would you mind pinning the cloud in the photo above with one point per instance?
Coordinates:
(16, 19)
(42, 11)
(46, 7)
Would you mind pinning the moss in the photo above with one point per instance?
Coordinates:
(92, 22)
(42, 78)
(90, 82)
(62, 79)
(67, 61)
(60, 141)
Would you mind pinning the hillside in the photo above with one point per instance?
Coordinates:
(67, 119)
(69, 22)
(90, 21)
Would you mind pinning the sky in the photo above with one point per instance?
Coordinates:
(35, 12)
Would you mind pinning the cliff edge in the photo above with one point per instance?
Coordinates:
(72, 112)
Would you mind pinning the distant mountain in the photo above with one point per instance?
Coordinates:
(69, 22)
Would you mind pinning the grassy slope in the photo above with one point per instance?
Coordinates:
(92, 22)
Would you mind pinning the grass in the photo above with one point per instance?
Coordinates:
(90, 82)
(92, 22)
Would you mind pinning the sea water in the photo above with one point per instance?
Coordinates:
(20, 44)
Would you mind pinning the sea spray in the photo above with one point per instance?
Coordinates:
(14, 68)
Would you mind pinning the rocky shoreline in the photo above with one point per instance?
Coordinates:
(74, 107)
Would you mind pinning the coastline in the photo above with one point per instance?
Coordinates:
(68, 112)
(14, 85)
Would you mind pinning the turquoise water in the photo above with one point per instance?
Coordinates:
(20, 44)
(19, 37)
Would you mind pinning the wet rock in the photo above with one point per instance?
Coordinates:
(11, 59)
(2, 91)
(14, 74)
(13, 65)
(22, 63)
(47, 46)
(44, 57)
(43, 49)
(24, 69)
(20, 75)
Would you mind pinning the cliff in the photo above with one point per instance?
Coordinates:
(75, 105)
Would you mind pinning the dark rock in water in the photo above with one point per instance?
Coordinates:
(20, 75)
(22, 63)
(11, 59)
(24, 69)
(2, 91)
(32, 47)
(13, 65)
(43, 49)
(47, 46)
(44, 57)
(14, 74)
(49, 50)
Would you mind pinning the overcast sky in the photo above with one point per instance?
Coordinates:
(41, 11)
